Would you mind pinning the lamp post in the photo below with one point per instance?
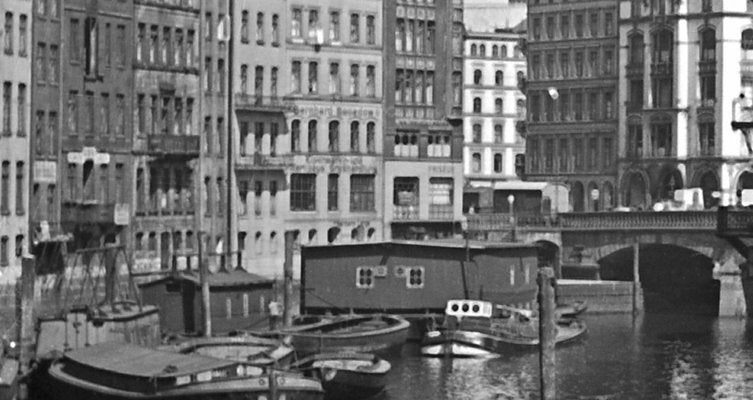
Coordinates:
(464, 227)
(511, 203)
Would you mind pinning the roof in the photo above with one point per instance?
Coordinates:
(520, 185)
(490, 15)
(438, 243)
(138, 361)
(222, 278)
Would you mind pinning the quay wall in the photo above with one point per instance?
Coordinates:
(600, 296)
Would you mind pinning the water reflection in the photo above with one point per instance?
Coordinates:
(653, 357)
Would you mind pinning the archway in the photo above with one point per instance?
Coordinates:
(709, 183)
(593, 196)
(635, 192)
(745, 181)
(669, 181)
(607, 196)
(674, 279)
(577, 197)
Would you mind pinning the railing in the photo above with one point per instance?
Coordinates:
(269, 103)
(261, 161)
(734, 222)
(88, 213)
(441, 212)
(661, 68)
(707, 67)
(405, 213)
(505, 221)
(173, 145)
(639, 220)
(634, 69)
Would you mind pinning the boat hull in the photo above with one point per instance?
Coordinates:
(467, 343)
(349, 385)
(347, 375)
(63, 386)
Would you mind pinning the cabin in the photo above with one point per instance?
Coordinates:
(415, 277)
(238, 301)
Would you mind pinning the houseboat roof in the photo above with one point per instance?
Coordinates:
(138, 361)
(223, 278)
(450, 243)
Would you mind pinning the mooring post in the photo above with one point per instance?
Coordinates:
(287, 299)
(637, 302)
(206, 304)
(547, 333)
(26, 313)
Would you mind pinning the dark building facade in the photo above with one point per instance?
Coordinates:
(573, 55)
(423, 138)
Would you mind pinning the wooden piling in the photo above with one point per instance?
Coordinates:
(205, 300)
(637, 301)
(287, 310)
(25, 313)
(547, 333)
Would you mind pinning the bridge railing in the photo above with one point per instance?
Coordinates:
(505, 221)
(735, 222)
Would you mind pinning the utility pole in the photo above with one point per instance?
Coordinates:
(287, 313)
(547, 334)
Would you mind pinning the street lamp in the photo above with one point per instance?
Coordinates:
(511, 202)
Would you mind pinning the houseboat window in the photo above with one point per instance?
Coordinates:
(364, 277)
(245, 304)
(228, 308)
(172, 288)
(528, 273)
(414, 278)
(512, 275)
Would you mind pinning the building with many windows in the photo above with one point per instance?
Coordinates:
(15, 64)
(308, 109)
(492, 101)
(571, 89)
(685, 66)
(423, 137)
(167, 101)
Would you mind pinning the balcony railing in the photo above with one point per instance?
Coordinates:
(634, 69)
(172, 145)
(661, 68)
(405, 213)
(262, 103)
(639, 220)
(442, 212)
(258, 161)
(707, 67)
(88, 213)
(505, 221)
(734, 222)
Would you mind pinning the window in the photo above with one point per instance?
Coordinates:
(21, 114)
(22, 35)
(120, 112)
(275, 29)
(8, 33)
(313, 77)
(302, 192)
(362, 193)
(440, 198)
(636, 50)
(244, 26)
(608, 106)
(499, 78)
(260, 28)
(476, 138)
(708, 45)
(371, 137)
(746, 43)
(370, 30)
(91, 41)
(477, 105)
(5, 186)
(4, 251)
(370, 81)
(662, 91)
(550, 27)
(503, 51)
(334, 26)
(295, 77)
(498, 133)
(565, 26)
(7, 88)
(497, 162)
(414, 277)
(221, 76)
(579, 25)
(661, 139)
(334, 78)
(579, 64)
(355, 28)
(564, 155)
(258, 190)
(332, 190)
(354, 80)
(296, 22)
(312, 142)
(355, 144)
(495, 51)
(593, 24)
(273, 82)
(295, 136)
(498, 106)
(334, 137)
(608, 24)
(364, 277)
(190, 47)
(476, 163)
(663, 42)
(477, 77)
(19, 245)
(706, 135)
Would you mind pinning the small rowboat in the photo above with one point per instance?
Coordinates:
(346, 333)
(114, 371)
(248, 349)
(347, 375)
(476, 328)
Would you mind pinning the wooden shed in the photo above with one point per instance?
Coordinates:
(238, 301)
(412, 277)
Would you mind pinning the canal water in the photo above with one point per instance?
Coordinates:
(652, 357)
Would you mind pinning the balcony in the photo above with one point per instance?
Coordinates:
(171, 145)
(183, 5)
(662, 68)
(707, 67)
(249, 102)
(262, 162)
(634, 70)
(441, 212)
(405, 213)
(87, 213)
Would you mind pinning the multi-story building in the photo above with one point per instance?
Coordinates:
(423, 137)
(685, 66)
(492, 101)
(96, 91)
(572, 53)
(309, 156)
(15, 76)
(166, 137)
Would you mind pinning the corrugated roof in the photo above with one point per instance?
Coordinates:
(222, 278)
(441, 243)
(138, 361)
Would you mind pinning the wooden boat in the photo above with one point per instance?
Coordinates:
(346, 333)
(346, 375)
(475, 328)
(564, 311)
(8, 378)
(253, 350)
(122, 371)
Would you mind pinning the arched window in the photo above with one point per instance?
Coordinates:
(497, 162)
(593, 189)
(607, 196)
(503, 52)
(354, 136)
(521, 77)
(518, 53)
(476, 133)
(495, 51)
(709, 183)
(312, 136)
(482, 50)
(477, 104)
(474, 50)
(663, 43)
(499, 78)
(295, 136)
(477, 77)
(746, 43)
(708, 45)
(476, 163)
(636, 49)
(498, 133)
(577, 197)
(498, 106)
(334, 136)
(520, 109)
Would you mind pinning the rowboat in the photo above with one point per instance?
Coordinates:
(115, 371)
(476, 328)
(346, 375)
(253, 350)
(346, 333)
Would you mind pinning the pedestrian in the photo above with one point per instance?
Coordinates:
(275, 314)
